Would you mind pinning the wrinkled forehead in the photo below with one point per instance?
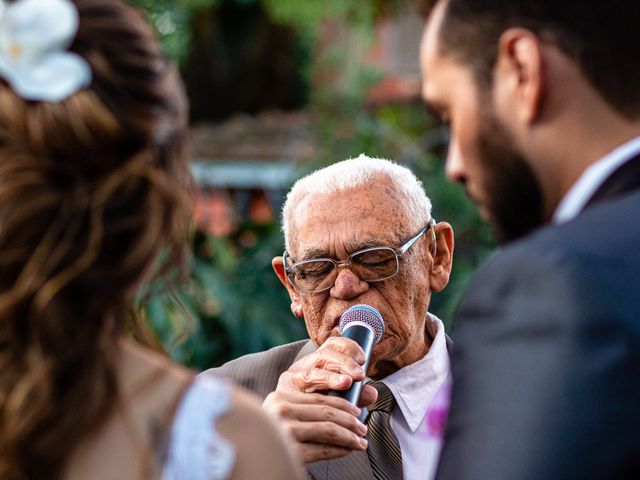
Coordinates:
(368, 215)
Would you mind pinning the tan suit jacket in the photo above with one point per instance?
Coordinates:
(259, 372)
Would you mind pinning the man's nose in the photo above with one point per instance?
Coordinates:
(455, 164)
(348, 285)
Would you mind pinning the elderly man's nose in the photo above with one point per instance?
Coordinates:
(348, 285)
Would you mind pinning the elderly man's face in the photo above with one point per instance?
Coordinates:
(339, 224)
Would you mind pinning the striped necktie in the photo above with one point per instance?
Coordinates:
(383, 450)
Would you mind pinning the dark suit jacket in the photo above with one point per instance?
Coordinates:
(259, 372)
(546, 363)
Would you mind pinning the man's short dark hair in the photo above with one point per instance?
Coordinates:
(602, 37)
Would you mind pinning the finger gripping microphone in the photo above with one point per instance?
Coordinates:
(364, 325)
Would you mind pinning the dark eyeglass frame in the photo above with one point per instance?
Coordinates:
(399, 252)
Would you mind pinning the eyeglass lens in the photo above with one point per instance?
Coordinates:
(369, 265)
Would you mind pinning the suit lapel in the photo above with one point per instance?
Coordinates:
(623, 180)
(354, 466)
(305, 350)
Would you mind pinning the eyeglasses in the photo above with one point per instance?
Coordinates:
(369, 265)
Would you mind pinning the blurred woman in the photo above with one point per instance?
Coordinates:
(95, 199)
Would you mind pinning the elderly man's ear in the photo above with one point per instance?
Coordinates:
(442, 257)
(296, 306)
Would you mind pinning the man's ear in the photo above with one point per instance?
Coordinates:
(442, 257)
(519, 81)
(296, 305)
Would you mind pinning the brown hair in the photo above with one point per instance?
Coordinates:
(600, 37)
(93, 190)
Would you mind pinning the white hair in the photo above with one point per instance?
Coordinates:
(353, 173)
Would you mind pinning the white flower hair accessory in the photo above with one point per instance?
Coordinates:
(34, 37)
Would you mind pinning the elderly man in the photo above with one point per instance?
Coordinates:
(543, 102)
(366, 225)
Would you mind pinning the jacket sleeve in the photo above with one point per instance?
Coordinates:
(259, 372)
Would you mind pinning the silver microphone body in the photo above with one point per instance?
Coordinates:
(364, 325)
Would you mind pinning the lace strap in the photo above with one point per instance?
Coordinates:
(196, 451)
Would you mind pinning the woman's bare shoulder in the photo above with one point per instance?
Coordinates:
(263, 450)
(134, 436)
(137, 363)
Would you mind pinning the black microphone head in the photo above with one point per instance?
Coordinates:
(363, 314)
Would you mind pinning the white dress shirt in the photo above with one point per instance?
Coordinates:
(415, 388)
(580, 192)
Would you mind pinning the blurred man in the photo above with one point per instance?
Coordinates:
(543, 102)
(359, 232)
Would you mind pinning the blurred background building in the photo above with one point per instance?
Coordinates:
(279, 88)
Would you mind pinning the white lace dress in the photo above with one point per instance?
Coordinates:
(196, 451)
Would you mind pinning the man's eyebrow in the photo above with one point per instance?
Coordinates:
(354, 247)
(312, 253)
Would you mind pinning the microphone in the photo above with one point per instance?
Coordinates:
(364, 325)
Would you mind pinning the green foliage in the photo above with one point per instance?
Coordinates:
(171, 21)
(307, 14)
(233, 303)
(407, 135)
(172, 18)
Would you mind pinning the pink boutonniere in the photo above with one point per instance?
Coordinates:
(438, 411)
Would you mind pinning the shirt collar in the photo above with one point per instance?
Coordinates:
(579, 194)
(415, 386)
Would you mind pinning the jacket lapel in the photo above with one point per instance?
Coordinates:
(306, 350)
(354, 466)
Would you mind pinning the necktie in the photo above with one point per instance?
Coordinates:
(383, 450)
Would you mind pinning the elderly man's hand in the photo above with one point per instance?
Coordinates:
(323, 427)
